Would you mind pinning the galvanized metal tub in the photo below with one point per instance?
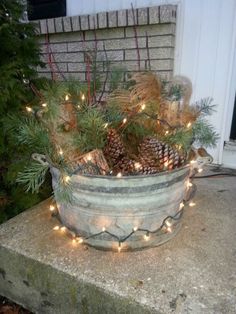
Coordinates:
(125, 213)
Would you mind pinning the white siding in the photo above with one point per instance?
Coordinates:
(205, 48)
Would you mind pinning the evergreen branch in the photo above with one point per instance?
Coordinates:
(204, 133)
(204, 106)
(63, 191)
(33, 176)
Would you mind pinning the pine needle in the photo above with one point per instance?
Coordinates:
(33, 176)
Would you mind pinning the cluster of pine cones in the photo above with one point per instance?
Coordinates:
(154, 156)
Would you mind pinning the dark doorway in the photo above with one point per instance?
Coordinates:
(44, 9)
(233, 127)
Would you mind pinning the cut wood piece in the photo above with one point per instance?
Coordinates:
(93, 162)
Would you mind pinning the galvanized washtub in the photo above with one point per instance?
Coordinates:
(125, 213)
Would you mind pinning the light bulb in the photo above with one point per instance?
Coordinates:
(103, 229)
(83, 97)
(146, 237)
(105, 125)
(63, 229)
(79, 107)
(166, 164)
(119, 175)
(124, 120)
(81, 240)
(135, 229)
(74, 241)
(44, 105)
(56, 228)
(67, 97)
(181, 205)
(137, 165)
(143, 106)
(200, 170)
(89, 158)
(66, 179)
(191, 204)
(29, 109)
(167, 132)
(189, 184)
(168, 223)
(189, 125)
(192, 161)
(60, 152)
(168, 229)
(51, 208)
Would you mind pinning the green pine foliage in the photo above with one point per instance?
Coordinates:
(92, 135)
(19, 57)
(204, 133)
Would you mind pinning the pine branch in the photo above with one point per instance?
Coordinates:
(33, 176)
(204, 106)
(204, 133)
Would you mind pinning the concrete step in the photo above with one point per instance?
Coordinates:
(193, 273)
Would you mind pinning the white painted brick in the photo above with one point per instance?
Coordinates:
(167, 13)
(93, 22)
(122, 18)
(76, 67)
(43, 26)
(112, 19)
(161, 65)
(51, 26)
(154, 15)
(67, 24)
(75, 23)
(102, 20)
(84, 22)
(158, 29)
(69, 57)
(142, 16)
(58, 25)
(154, 53)
(124, 43)
(161, 41)
(106, 34)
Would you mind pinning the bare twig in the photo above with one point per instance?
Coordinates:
(106, 77)
(136, 36)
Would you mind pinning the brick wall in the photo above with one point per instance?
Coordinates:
(68, 37)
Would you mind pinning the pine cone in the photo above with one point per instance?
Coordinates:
(160, 155)
(114, 150)
(125, 165)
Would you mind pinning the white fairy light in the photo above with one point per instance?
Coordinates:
(119, 247)
(66, 179)
(135, 229)
(83, 97)
(189, 125)
(119, 175)
(80, 240)
(200, 170)
(105, 125)
(67, 97)
(56, 228)
(89, 158)
(51, 208)
(28, 109)
(103, 229)
(146, 237)
(60, 152)
(63, 228)
(181, 205)
(143, 107)
(168, 223)
(166, 132)
(137, 165)
(189, 184)
(124, 120)
(191, 204)
(168, 229)
(44, 105)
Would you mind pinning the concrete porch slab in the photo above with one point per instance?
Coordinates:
(193, 273)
